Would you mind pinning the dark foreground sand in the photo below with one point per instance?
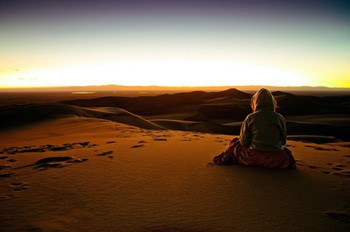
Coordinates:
(87, 174)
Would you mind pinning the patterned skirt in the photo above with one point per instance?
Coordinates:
(235, 153)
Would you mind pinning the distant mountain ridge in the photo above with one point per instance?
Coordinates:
(236, 104)
(161, 104)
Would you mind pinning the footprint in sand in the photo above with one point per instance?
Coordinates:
(313, 167)
(162, 135)
(15, 150)
(104, 153)
(159, 139)
(48, 147)
(339, 215)
(11, 160)
(7, 175)
(52, 159)
(300, 162)
(3, 157)
(56, 162)
(7, 197)
(137, 146)
(4, 167)
(198, 136)
(342, 173)
(110, 142)
(15, 187)
(338, 171)
(18, 186)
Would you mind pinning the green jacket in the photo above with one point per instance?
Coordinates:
(264, 130)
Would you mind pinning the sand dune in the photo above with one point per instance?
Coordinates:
(35, 114)
(189, 102)
(221, 112)
(319, 129)
(334, 119)
(318, 125)
(26, 114)
(134, 179)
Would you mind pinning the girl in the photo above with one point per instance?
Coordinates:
(262, 137)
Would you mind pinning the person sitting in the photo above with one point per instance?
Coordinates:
(262, 137)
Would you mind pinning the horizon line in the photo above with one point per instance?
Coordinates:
(69, 88)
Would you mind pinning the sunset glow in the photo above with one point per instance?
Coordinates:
(172, 73)
(175, 44)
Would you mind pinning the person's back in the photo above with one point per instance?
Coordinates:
(267, 131)
(262, 137)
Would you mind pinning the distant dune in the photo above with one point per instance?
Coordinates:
(234, 102)
(327, 115)
(211, 112)
(28, 114)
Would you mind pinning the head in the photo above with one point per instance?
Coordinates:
(263, 99)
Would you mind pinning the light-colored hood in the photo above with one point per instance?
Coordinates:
(263, 100)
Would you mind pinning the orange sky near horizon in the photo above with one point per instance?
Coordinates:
(167, 73)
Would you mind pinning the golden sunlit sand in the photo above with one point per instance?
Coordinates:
(108, 176)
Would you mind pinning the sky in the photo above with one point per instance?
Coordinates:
(174, 43)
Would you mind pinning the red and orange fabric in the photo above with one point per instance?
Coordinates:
(236, 153)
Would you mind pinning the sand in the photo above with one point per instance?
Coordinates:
(88, 174)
